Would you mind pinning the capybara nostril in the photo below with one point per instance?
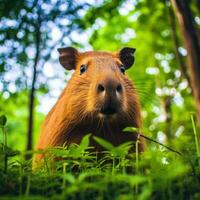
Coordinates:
(100, 88)
(119, 88)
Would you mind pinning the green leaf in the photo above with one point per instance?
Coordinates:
(125, 146)
(9, 151)
(137, 179)
(69, 177)
(85, 142)
(131, 129)
(3, 120)
(104, 143)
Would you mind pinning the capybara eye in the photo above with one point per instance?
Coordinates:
(83, 69)
(122, 69)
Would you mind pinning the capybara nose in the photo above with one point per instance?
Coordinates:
(109, 109)
(108, 88)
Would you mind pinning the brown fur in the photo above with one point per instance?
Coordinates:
(76, 112)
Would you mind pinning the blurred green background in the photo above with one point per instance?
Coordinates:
(31, 77)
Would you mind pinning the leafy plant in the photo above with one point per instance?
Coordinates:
(79, 173)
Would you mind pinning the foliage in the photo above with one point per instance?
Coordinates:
(28, 27)
(80, 173)
(20, 23)
(156, 74)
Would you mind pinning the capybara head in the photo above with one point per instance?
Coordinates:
(100, 87)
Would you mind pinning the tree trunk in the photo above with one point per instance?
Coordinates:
(168, 120)
(191, 43)
(181, 63)
(29, 144)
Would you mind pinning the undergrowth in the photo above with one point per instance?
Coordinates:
(79, 173)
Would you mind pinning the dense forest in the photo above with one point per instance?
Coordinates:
(166, 75)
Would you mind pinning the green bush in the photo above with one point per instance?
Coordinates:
(80, 173)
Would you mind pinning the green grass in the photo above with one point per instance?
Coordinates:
(80, 174)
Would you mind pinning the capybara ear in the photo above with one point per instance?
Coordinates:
(126, 55)
(68, 57)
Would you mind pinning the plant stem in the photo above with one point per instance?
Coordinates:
(20, 179)
(28, 186)
(113, 166)
(137, 163)
(5, 136)
(64, 172)
(4, 149)
(46, 163)
(196, 137)
(6, 163)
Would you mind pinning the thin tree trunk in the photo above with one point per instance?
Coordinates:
(198, 4)
(29, 145)
(181, 63)
(168, 121)
(187, 28)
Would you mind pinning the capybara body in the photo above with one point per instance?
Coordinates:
(98, 99)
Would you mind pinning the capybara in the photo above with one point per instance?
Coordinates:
(98, 99)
